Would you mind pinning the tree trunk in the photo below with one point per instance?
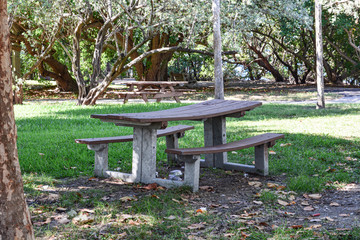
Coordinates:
(319, 57)
(219, 81)
(264, 62)
(60, 73)
(158, 63)
(15, 222)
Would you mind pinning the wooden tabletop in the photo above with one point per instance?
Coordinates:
(204, 110)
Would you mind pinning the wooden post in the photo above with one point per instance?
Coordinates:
(218, 74)
(319, 57)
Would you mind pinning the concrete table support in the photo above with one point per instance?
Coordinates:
(215, 134)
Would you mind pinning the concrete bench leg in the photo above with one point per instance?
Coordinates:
(192, 171)
(172, 141)
(101, 159)
(261, 160)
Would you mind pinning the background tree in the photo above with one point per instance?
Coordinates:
(319, 56)
(15, 222)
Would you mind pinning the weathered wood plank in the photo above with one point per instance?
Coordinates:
(233, 146)
(204, 110)
(129, 138)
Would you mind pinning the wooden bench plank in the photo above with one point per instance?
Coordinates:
(233, 146)
(129, 138)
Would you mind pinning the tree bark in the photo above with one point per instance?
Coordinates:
(64, 80)
(319, 57)
(15, 222)
(157, 70)
(264, 62)
(219, 80)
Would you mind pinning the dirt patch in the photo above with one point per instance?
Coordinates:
(235, 196)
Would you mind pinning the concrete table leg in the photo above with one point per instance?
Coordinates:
(144, 154)
(215, 134)
(172, 141)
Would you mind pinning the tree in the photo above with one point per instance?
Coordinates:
(36, 27)
(219, 81)
(15, 222)
(319, 57)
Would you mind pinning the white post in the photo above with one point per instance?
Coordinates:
(319, 57)
(219, 82)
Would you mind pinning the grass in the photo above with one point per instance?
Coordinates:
(317, 152)
(318, 143)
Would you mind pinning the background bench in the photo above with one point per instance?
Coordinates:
(191, 157)
(100, 145)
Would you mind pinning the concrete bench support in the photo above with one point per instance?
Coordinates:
(144, 169)
(191, 156)
(101, 158)
(191, 175)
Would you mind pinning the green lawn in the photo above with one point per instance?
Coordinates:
(320, 139)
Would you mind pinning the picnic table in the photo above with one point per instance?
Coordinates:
(213, 113)
(154, 89)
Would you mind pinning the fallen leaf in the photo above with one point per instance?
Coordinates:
(61, 209)
(201, 210)
(255, 184)
(291, 197)
(280, 188)
(127, 199)
(315, 196)
(343, 229)
(258, 202)
(207, 188)
(289, 213)
(305, 203)
(87, 210)
(82, 219)
(344, 215)
(283, 203)
(274, 226)
(155, 196)
(309, 208)
(245, 235)
(329, 219)
(198, 226)
(285, 144)
(135, 223)
(271, 185)
(330, 169)
(229, 234)
(334, 204)
(152, 186)
(177, 201)
(296, 226)
(313, 227)
(93, 179)
(171, 217)
(47, 221)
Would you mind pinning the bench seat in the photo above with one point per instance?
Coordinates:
(191, 156)
(100, 145)
(144, 95)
